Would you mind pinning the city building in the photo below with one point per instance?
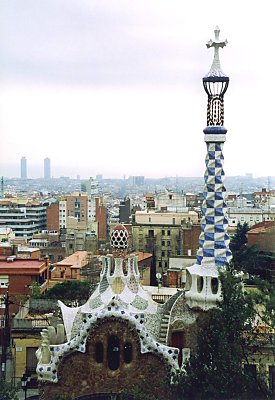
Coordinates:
(70, 268)
(24, 217)
(161, 233)
(170, 201)
(53, 217)
(23, 168)
(17, 277)
(125, 211)
(101, 219)
(51, 244)
(6, 235)
(176, 273)
(81, 206)
(263, 236)
(47, 168)
(249, 215)
(136, 180)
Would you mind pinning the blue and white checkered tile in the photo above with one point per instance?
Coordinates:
(214, 240)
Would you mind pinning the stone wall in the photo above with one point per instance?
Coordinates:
(80, 374)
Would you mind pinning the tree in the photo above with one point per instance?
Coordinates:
(216, 371)
(73, 290)
(239, 240)
(7, 391)
(35, 290)
(250, 259)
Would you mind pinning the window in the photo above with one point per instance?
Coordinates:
(250, 370)
(168, 243)
(199, 283)
(31, 360)
(163, 254)
(174, 221)
(168, 232)
(163, 242)
(127, 350)
(163, 232)
(150, 233)
(113, 353)
(99, 351)
(214, 285)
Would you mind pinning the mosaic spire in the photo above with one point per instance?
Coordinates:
(203, 286)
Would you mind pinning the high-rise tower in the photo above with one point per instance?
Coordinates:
(23, 168)
(47, 168)
(203, 285)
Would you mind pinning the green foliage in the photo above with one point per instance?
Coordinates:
(250, 259)
(239, 239)
(215, 371)
(73, 290)
(35, 290)
(7, 391)
(265, 296)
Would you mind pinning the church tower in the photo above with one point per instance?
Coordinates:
(203, 285)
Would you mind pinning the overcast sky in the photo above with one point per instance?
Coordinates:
(115, 87)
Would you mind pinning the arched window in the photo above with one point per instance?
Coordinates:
(127, 352)
(199, 283)
(113, 353)
(99, 351)
(214, 285)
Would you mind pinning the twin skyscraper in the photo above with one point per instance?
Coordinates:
(47, 168)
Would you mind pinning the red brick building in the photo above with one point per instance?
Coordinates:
(101, 219)
(263, 236)
(53, 217)
(18, 275)
(190, 239)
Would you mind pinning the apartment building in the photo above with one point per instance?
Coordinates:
(249, 215)
(24, 217)
(161, 233)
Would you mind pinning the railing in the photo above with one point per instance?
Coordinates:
(23, 323)
(161, 298)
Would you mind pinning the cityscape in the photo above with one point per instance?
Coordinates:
(137, 258)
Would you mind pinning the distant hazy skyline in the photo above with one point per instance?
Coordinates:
(115, 88)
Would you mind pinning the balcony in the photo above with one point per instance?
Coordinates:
(29, 324)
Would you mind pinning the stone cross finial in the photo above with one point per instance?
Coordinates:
(217, 43)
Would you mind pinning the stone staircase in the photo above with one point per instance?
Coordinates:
(164, 328)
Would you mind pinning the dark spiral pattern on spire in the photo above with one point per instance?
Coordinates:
(215, 111)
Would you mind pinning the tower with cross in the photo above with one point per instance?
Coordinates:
(203, 285)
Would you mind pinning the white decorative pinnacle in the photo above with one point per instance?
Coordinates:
(215, 70)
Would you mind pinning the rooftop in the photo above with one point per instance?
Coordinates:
(77, 260)
(21, 266)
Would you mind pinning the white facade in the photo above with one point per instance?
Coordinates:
(62, 214)
(92, 209)
(165, 218)
(25, 219)
(173, 201)
(248, 215)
